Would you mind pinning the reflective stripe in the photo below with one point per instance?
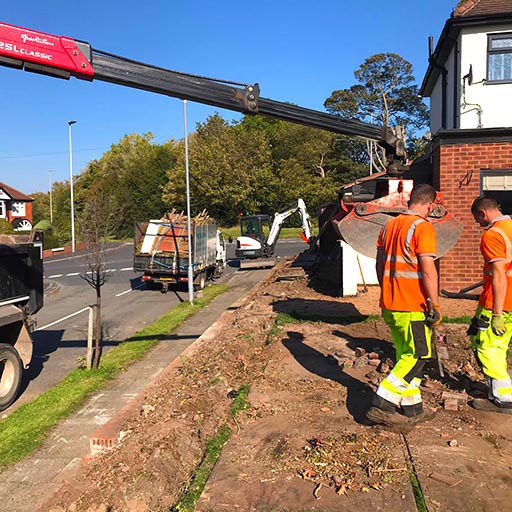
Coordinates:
(408, 239)
(403, 274)
(501, 390)
(389, 395)
(411, 400)
(506, 240)
(401, 259)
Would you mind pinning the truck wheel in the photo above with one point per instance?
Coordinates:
(200, 281)
(11, 371)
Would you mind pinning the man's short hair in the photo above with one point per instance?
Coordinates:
(423, 194)
(484, 203)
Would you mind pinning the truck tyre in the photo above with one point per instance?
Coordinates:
(200, 281)
(11, 372)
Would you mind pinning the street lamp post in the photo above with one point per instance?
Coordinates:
(50, 185)
(70, 124)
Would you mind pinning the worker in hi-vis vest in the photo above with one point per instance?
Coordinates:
(491, 327)
(406, 250)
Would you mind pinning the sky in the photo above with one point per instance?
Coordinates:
(298, 51)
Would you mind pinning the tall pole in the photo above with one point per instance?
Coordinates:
(70, 124)
(50, 186)
(189, 224)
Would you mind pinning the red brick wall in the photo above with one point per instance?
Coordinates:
(457, 175)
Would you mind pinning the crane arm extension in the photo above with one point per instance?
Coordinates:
(63, 57)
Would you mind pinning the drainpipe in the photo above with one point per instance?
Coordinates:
(456, 102)
(444, 83)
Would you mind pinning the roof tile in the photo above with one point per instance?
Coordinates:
(482, 7)
(15, 194)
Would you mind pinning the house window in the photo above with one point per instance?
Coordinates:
(2, 210)
(498, 184)
(499, 57)
(18, 209)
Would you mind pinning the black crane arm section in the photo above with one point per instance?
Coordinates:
(63, 57)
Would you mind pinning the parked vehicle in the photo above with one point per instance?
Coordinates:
(21, 296)
(162, 251)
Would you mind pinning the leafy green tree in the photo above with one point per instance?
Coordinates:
(385, 94)
(40, 207)
(61, 200)
(229, 170)
(133, 172)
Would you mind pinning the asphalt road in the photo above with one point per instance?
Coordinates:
(127, 306)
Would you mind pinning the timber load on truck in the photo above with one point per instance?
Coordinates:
(162, 253)
(21, 296)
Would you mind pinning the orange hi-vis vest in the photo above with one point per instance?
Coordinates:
(402, 240)
(496, 245)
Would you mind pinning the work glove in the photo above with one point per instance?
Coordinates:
(434, 317)
(498, 325)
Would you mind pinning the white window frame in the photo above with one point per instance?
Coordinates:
(3, 209)
(20, 207)
(505, 51)
(497, 183)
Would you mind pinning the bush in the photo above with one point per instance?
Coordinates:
(50, 241)
(6, 227)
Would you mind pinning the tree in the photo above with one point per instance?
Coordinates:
(385, 94)
(133, 171)
(229, 170)
(40, 207)
(98, 219)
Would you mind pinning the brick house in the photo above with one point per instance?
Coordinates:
(15, 207)
(469, 83)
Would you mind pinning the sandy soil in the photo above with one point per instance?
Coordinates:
(304, 442)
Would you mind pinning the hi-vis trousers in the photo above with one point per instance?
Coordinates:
(491, 353)
(412, 338)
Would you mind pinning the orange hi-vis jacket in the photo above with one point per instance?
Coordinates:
(402, 240)
(496, 245)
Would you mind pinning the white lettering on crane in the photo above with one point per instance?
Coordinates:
(37, 39)
(9, 47)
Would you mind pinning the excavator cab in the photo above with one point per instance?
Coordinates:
(254, 231)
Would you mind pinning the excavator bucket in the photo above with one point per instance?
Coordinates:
(361, 226)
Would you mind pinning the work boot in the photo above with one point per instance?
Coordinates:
(395, 419)
(483, 404)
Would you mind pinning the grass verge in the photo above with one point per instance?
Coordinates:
(418, 493)
(27, 427)
(212, 453)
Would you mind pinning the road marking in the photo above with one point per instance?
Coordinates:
(71, 274)
(62, 319)
(130, 290)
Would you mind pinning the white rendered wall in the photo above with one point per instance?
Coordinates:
(352, 274)
(494, 100)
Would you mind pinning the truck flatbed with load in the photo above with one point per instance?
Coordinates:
(161, 251)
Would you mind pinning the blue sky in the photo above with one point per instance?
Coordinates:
(297, 51)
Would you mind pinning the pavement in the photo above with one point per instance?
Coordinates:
(26, 485)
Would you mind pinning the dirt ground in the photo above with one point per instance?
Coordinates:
(304, 442)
